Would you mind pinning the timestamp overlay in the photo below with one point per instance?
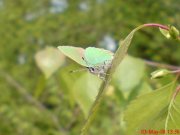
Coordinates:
(159, 132)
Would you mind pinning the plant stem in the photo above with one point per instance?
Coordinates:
(160, 65)
(176, 71)
(156, 25)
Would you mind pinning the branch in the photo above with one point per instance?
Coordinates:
(160, 65)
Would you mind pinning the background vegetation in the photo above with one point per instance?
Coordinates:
(31, 104)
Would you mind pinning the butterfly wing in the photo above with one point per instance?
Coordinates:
(74, 53)
(95, 56)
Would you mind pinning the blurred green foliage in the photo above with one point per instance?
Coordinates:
(33, 105)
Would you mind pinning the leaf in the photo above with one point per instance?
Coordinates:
(81, 87)
(122, 50)
(173, 119)
(129, 73)
(49, 60)
(67, 80)
(150, 111)
(85, 91)
(142, 88)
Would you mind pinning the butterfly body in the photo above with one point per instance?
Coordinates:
(96, 60)
(100, 70)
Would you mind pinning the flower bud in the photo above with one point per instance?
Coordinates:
(165, 33)
(159, 73)
(174, 33)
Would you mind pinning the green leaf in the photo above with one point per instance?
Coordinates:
(129, 73)
(49, 60)
(142, 88)
(85, 91)
(122, 50)
(173, 119)
(67, 80)
(80, 87)
(150, 111)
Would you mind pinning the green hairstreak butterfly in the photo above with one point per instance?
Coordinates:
(96, 60)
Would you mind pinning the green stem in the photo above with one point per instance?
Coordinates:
(118, 57)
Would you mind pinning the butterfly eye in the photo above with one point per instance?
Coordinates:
(92, 69)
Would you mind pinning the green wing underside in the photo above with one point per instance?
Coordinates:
(92, 56)
(96, 56)
(74, 53)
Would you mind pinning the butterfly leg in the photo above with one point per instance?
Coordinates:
(101, 77)
(78, 70)
(108, 62)
(104, 74)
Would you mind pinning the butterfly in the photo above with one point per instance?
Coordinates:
(96, 60)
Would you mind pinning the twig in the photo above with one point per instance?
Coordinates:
(156, 25)
(175, 71)
(161, 65)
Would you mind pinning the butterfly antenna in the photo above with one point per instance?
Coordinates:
(78, 70)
